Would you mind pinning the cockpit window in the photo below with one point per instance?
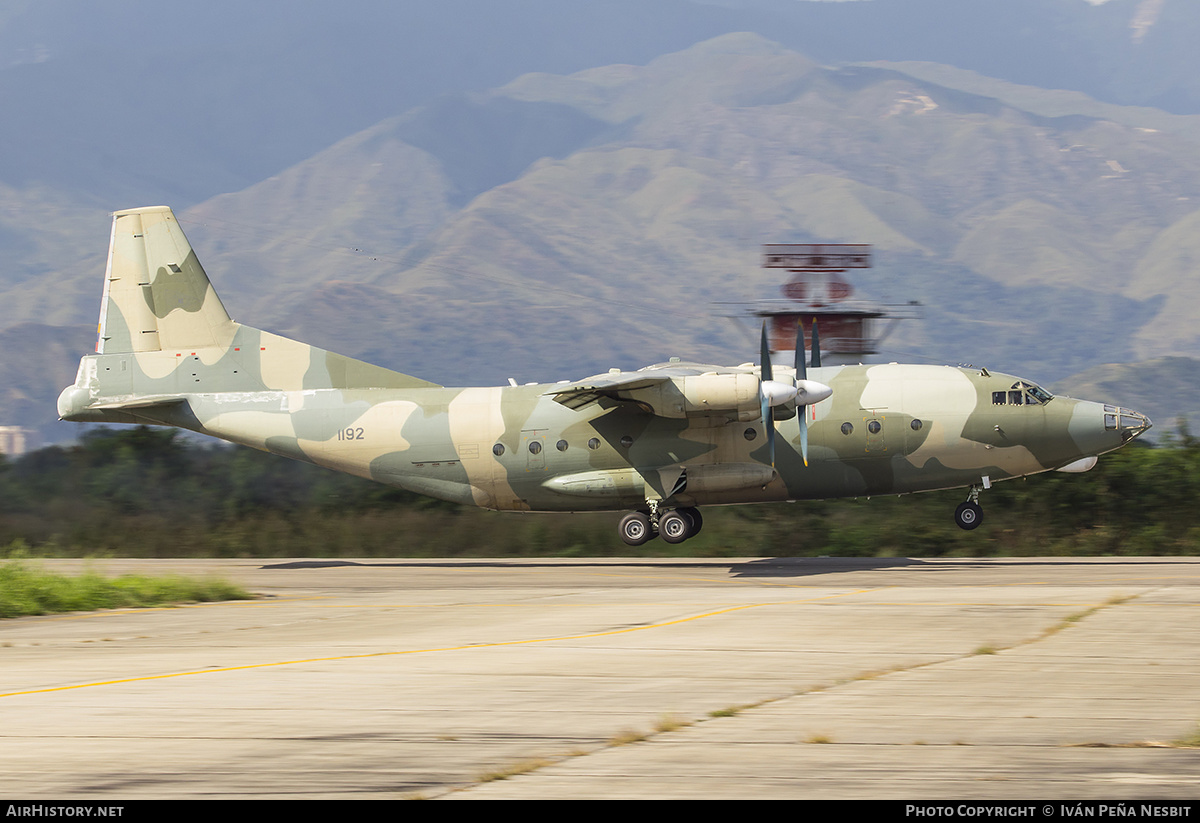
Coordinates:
(1040, 394)
(1022, 394)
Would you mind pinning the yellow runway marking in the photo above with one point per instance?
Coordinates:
(391, 654)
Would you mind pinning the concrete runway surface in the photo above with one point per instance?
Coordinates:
(1055, 678)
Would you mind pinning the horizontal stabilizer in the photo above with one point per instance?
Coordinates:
(140, 402)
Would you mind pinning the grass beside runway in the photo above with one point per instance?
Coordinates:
(25, 589)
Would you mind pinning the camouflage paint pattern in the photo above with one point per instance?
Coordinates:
(679, 434)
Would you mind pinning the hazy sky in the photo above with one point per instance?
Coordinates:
(1093, 2)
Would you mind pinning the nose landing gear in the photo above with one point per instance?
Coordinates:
(674, 526)
(969, 514)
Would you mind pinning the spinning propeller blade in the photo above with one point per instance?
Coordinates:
(802, 374)
(808, 392)
(800, 392)
(764, 395)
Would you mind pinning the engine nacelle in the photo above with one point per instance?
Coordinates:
(735, 395)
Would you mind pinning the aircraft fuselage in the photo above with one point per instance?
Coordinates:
(887, 429)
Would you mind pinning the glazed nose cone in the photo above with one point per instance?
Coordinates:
(1126, 422)
(1097, 428)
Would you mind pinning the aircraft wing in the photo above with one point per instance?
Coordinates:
(671, 390)
(585, 392)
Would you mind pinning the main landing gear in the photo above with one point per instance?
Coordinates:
(674, 526)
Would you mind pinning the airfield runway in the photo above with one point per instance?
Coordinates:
(1060, 678)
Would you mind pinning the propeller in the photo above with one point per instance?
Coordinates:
(802, 392)
(770, 393)
(808, 392)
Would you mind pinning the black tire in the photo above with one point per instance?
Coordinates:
(635, 528)
(675, 527)
(693, 514)
(968, 516)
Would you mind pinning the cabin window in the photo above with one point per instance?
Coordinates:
(498, 449)
(915, 425)
(626, 441)
(874, 427)
(750, 434)
(999, 398)
(1110, 421)
(535, 446)
(594, 443)
(847, 428)
(561, 445)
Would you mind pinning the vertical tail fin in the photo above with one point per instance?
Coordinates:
(165, 339)
(156, 294)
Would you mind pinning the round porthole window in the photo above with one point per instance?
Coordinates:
(916, 425)
(594, 443)
(873, 427)
(498, 449)
(847, 428)
(561, 445)
(750, 434)
(626, 441)
(535, 446)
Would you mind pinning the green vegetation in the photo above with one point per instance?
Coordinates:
(1191, 741)
(152, 493)
(27, 590)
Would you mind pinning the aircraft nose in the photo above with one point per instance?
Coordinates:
(1126, 422)
(1097, 428)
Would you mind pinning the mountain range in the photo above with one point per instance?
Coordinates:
(577, 215)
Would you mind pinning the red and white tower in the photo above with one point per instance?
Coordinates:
(817, 291)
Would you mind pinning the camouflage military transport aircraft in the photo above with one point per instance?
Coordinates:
(659, 442)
